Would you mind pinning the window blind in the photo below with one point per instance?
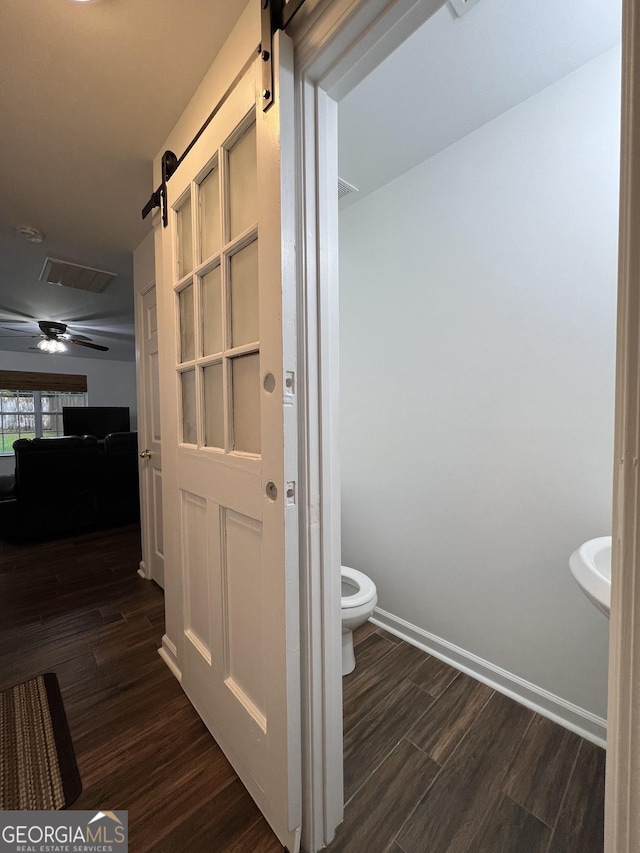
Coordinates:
(22, 380)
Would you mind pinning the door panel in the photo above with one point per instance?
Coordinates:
(154, 408)
(236, 446)
(244, 668)
(197, 611)
(158, 537)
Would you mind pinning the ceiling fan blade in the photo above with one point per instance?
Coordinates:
(105, 332)
(87, 344)
(98, 315)
(68, 337)
(18, 331)
(13, 316)
(102, 330)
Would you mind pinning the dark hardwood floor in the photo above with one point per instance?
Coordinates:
(434, 761)
(77, 607)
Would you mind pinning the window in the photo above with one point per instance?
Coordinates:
(27, 411)
(27, 414)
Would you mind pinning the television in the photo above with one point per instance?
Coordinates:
(95, 420)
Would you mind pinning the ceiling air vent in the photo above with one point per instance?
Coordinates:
(345, 189)
(461, 7)
(75, 276)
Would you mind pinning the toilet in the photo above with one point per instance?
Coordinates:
(359, 597)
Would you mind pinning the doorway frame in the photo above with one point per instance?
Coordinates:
(337, 43)
(622, 817)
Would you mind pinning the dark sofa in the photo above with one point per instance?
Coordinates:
(70, 483)
(118, 492)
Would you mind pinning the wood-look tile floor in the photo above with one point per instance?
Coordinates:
(77, 607)
(434, 761)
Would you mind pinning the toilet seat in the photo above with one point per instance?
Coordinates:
(365, 592)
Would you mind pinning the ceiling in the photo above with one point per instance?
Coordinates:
(454, 75)
(88, 94)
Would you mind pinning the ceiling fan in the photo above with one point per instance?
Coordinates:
(54, 338)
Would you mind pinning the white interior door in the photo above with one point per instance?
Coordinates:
(149, 441)
(148, 383)
(231, 410)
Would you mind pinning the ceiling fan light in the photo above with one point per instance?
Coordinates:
(33, 235)
(51, 345)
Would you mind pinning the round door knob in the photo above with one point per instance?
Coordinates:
(145, 454)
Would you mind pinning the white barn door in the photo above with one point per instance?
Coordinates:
(228, 400)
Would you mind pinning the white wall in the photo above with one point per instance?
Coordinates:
(477, 345)
(109, 383)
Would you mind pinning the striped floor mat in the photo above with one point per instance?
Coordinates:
(38, 768)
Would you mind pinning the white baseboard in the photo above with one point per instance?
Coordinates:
(566, 714)
(169, 654)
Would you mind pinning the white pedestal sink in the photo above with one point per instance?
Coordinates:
(590, 565)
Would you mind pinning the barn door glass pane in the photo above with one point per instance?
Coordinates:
(213, 406)
(185, 239)
(210, 236)
(212, 312)
(189, 431)
(187, 324)
(244, 295)
(243, 182)
(245, 372)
